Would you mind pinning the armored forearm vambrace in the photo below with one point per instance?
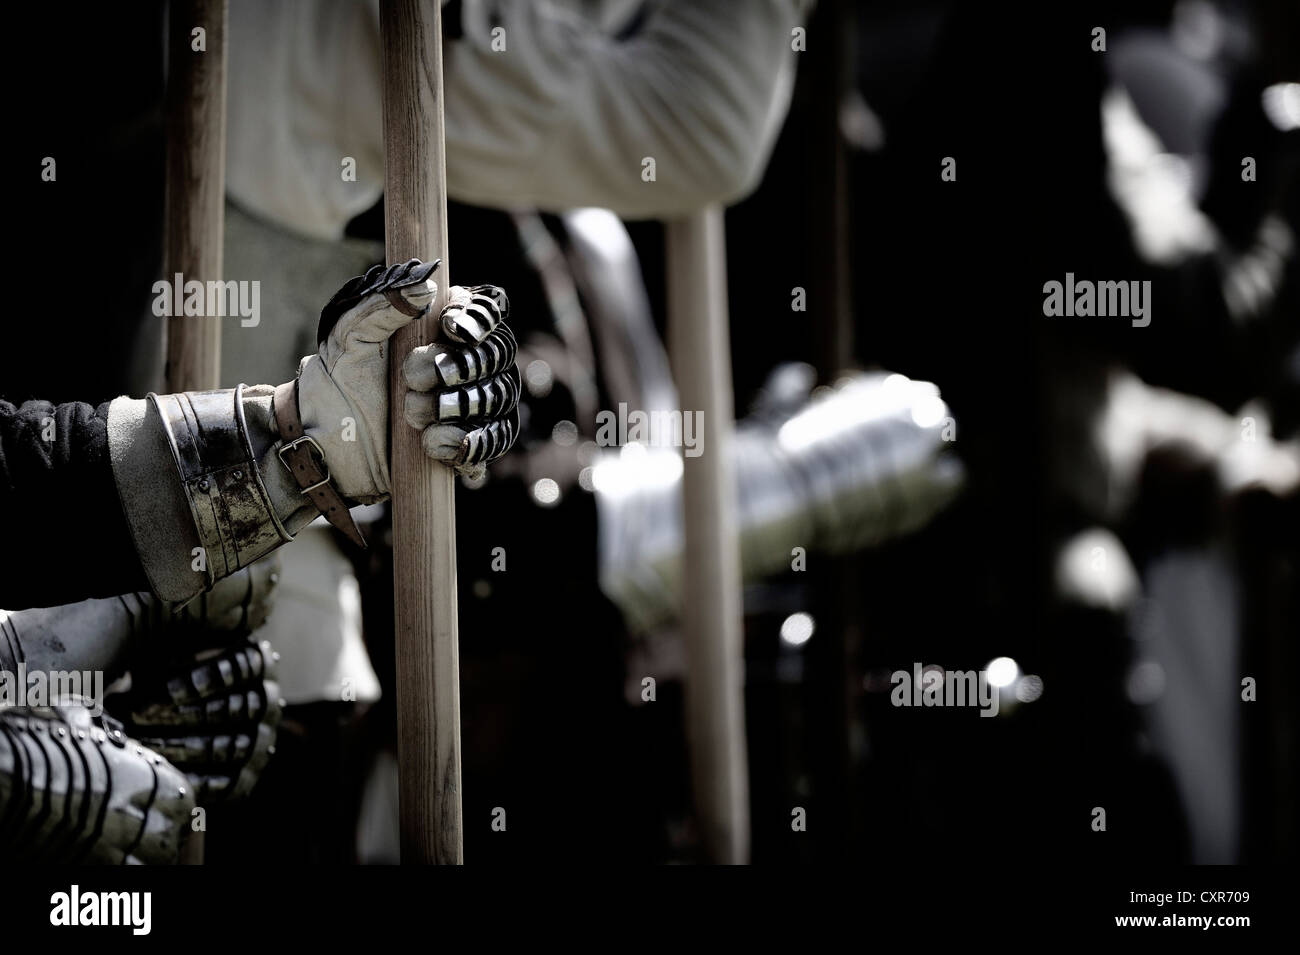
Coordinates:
(203, 490)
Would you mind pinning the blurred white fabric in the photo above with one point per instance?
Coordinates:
(562, 117)
(316, 625)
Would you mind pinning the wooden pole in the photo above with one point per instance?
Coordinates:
(424, 515)
(700, 349)
(194, 204)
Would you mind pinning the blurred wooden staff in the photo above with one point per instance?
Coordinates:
(699, 347)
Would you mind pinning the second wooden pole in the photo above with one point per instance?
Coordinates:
(699, 347)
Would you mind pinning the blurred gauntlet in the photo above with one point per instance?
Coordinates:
(74, 788)
(859, 465)
(79, 786)
(212, 716)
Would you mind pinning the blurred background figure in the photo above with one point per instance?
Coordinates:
(1127, 532)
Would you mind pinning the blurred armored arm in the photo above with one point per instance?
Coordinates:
(853, 468)
(106, 634)
(826, 472)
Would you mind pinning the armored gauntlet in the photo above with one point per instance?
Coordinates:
(214, 716)
(74, 788)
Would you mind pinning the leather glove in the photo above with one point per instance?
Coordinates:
(74, 788)
(462, 391)
(213, 715)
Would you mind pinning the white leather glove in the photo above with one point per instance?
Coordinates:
(463, 391)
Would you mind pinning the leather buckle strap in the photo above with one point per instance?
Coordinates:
(291, 446)
(309, 470)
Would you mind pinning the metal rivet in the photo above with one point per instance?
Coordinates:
(237, 474)
(203, 486)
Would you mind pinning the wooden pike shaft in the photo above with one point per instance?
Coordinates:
(194, 203)
(700, 350)
(196, 183)
(423, 500)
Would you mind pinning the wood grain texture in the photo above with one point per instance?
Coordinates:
(194, 204)
(700, 351)
(424, 516)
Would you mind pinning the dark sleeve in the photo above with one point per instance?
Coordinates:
(65, 537)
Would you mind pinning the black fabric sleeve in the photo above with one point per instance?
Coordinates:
(64, 537)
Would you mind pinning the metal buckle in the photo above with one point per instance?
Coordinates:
(289, 446)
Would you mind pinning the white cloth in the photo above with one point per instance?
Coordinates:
(562, 117)
(316, 624)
